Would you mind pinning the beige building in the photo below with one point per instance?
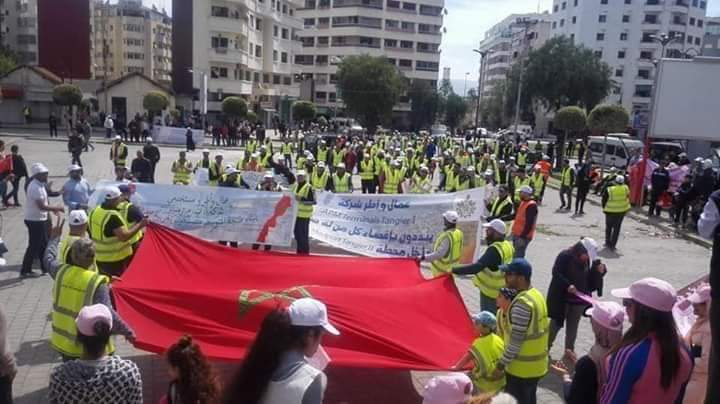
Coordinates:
(137, 39)
(126, 95)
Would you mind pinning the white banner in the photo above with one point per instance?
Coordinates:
(174, 135)
(401, 225)
(217, 213)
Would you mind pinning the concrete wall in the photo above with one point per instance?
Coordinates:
(133, 90)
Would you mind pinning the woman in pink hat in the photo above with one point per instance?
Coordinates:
(651, 364)
(699, 339)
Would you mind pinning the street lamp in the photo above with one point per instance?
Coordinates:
(203, 100)
(465, 87)
(525, 23)
(481, 80)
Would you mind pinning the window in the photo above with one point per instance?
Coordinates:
(646, 55)
(690, 39)
(258, 51)
(266, 78)
(626, 18)
(602, 18)
(256, 77)
(575, 3)
(600, 36)
(564, 5)
(275, 55)
(554, 24)
(287, 80)
(700, 23)
(603, 1)
(623, 36)
(309, 22)
(621, 54)
(409, 6)
(695, 3)
(692, 21)
(258, 24)
(703, 5)
(391, 43)
(644, 74)
(283, 57)
(574, 19)
(556, 8)
(276, 79)
(697, 41)
(598, 53)
(332, 97)
(651, 18)
(393, 4)
(321, 95)
(218, 42)
(562, 22)
(405, 63)
(618, 72)
(284, 33)
(406, 44)
(628, 1)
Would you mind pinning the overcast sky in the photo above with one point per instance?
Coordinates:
(466, 23)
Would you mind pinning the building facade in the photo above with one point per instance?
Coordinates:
(503, 44)
(711, 42)
(621, 32)
(407, 33)
(130, 38)
(237, 48)
(19, 29)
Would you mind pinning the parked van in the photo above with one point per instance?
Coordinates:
(618, 150)
(661, 150)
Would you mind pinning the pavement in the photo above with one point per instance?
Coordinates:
(644, 249)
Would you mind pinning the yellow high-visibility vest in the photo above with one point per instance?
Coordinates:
(519, 183)
(489, 282)
(393, 176)
(124, 208)
(181, 176)
(420, 185)
(73, 289)
(322, 154)
(338, 156)
(618, 199)
(445, 264)
(107, 249)
(566, 177)
(251, 146)
(305, 211)
(532, 360)
(341, 184)
(367, 169)
(287, 149)
(537, 181)
(319, 182)
(64, 248)
(521, 158)
(486, 352)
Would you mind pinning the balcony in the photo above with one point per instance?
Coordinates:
(377, 4)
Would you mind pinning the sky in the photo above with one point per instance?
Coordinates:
(466, 23)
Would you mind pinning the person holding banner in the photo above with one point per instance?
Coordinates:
(502, 206)
(448, 247)
(420, 183)
(181, 169)
(216, 170)
(367, 172)
(341, 181)
(392, 177)
(131, 214)
(305, 196)
(204, 162)
(487, 275)
(485, 351)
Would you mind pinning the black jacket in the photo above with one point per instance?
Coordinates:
(660, 180)
(569, 270)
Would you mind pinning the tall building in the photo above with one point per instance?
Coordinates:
(621, 32)
(244, 48)
(131, 38)
(19, 29)
(711, 42)
(503, 44)
(407, 33)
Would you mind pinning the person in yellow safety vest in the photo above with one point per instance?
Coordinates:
(420, 183)
(216, 170)
(447, 248)
(341, 180)
(181, 169)
(522, 158)
(537, 182)
(77, 285)
(305, 197)
(367, 173)
(251, 146)
(502, 206)
(287, 152)
(484, 353)
(567, 180)
(232, 179)
(320, 178)
(520, 179)
(264, 157)
(252, 165)
(78, 224)
(392, 178)
(487, 275)
(338, 156)
(616, 203)
(465, 179)
(525, 359)
(486, 163)
(322, 152)
(380, 164)
(111, 234)
(131, 214)
(267, 185)
(301, 159)
(118, 152)
(204, 162)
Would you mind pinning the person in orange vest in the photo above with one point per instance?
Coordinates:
(523, 229)
(545, 167)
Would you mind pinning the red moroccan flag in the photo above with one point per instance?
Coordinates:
(388, 315)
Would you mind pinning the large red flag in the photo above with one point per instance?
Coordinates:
(388, 315)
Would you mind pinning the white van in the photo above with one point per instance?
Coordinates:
(618, 150)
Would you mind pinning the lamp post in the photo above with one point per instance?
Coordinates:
(481, 82)
(203, 99)
(525, 23)
(465, 86)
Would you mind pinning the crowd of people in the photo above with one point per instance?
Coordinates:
(516, 327)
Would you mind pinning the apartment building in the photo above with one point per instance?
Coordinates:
(130, 38)
(407, 33)
(711, 42)
(237, 47)
(503, 44)
(19, 29)
(622, 33)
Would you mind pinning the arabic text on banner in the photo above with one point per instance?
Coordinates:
(217, 213)
(395, 225)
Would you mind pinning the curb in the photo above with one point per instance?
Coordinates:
(637, 214)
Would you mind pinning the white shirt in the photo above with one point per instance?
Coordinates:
(709, 220)
(36, 192)
(108, 123)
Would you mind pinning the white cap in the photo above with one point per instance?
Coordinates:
(321, 164)
(255, 155)
(707, 163)
(395, 163)
(206, 150)
(112, 192)
(230, 170)
(620, 179)
(263, 147)
(497, 225)
(78, 217)
(300, 173)
(526, 189)
(424, 168)
(470, 169)
(340, 165)
(308, 312)
(38, 168)
(74, 167)
(451, 216)
(268, 174)
(228, 165)
(591, 247)
(488, 173)
(117, 137)
(149, 139)
(219, 153)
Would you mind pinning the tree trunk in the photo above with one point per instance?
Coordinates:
(560, 149)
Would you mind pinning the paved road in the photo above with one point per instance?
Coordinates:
(643, 251)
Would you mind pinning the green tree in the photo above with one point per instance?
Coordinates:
(8, 60)
(562, 73)
(493, 109)
(251, 116)
(608, 118)
(423, 104)
(303, 111)
(455, 109)
(569, 120)
(69, 97)
(370, 87)
(234, 107)
(155, 102)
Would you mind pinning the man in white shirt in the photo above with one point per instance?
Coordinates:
(109, 125)
(36, 218)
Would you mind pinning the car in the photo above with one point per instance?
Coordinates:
(662, 150)
(617, 150)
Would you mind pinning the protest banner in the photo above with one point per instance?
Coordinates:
(217, 213)
(253, 178)
(402, 225)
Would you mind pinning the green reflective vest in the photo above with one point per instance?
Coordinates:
(107, 249)
(367, 169)
(618, 199)
(519, 183)
(73, 289)
(181, 176)
(305, 211)
(532, 360)
(537, 181)
(420, 185)
(322, 154)
(338, 156)
(445, 264)
(287, 149)
(65, 245)
(319, 181)
(124, 208)
(393, 177)
(522, 159)
(566, 177)
(486, 352)
(489, 282)
(341, 184)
